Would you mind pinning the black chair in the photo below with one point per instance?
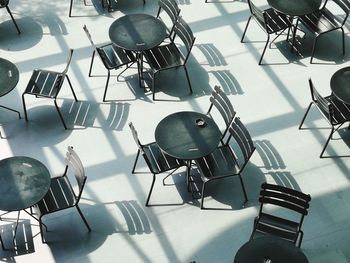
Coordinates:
(332, 109)
(323, 21)
(270, 221)
(223, 163)
(62, 194)
(47, 84)
(221, 102)
(4, 4)
(172, 9)
(112, 57)
(270, 21)
(169, 56)
(157, 161)
(71, 6)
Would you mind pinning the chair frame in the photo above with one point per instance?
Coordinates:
(173, 11)
(59, 86)
(327, 111)
(6, 3)
(286, 198)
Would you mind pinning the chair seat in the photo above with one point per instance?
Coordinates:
(219, 163)
(163, 57)
(159, 161)
(44, 83)
(275, 22)
(115, 57)
(341, 110)
(59, 196)
(321, 21)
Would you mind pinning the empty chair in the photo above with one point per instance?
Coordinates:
(62, 194)
(169, 56)
(270, 21)
(323, 21)
(292, 203)
(223, 163)
(172, 9)
(221, 102)
(48, 84)
(112, 57)
(4, 4)
(332, 109)
(157, 161)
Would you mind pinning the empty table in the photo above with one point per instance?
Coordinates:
(340, 84)
(295, 7)
(9, 76)
(269, 250)
(24, 181)
(137, 32)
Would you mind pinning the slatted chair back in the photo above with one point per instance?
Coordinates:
(257, 13)
(135, 136)
(89, 37)
(223, 105)
(74, 163)
(69, 59)
(184, 32)
(240, 133)
(345, 6)
(171, 8)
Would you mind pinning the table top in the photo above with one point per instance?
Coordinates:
(180, 136)
(340, 84)
(295, 7)
(137, 32)
(9, 76)
(278, 250)
(24, 181)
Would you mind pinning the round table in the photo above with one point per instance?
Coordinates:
(269, 250)
(295, 7)
(9, 76)
(340, 84)
(180, 135)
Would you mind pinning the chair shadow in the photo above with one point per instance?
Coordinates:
(212, 54)
(227, 82)
(269, 155)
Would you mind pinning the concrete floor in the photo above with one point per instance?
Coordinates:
(270, 99)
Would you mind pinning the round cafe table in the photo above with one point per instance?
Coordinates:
(9, 76)
(295, 7)
(24, 181)
(340, 84)
(269, 250)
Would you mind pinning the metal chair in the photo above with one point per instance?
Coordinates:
(221, 102)
(169, 56)
(157, 161)
(270, 21)
(172, 9)
(288, 226)
(61, 194)
(4, 4)
(323, 21)
(222, 163)
(332, 109)
(48, 84)
(112, 57)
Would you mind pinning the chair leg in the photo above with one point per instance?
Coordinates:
(41, 231)
(70, 8)
(202, 196)
(60, 114)
(92, 62)
(304, 117)
(71, 88)
(300, 238)
(313, 49)
(244, 191)
(294, 33)
(188, 80)
(82, 217)
(262, 55)
(14, 21)
(105, 93)
(135, 162)
(343, 40)
(325, 146)
(245, 29)
(24, 107)
(150, 191)
(154, 86)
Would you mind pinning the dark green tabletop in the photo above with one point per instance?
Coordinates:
(137, 32)
(340, 84)
(24, 181)
(295, 7)
(263, 249)
(180, 136)
(9, 76)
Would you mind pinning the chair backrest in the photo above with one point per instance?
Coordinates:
(135, 136)
(240, 133)
(344, 5)
(257, 13)
(70, 54)
(89, 37)
(223, 105)
(74, 163)
(170, 7)
(184, 32)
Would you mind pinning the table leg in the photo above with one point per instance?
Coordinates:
(14, 235)
(139, 58)
(188, 171)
